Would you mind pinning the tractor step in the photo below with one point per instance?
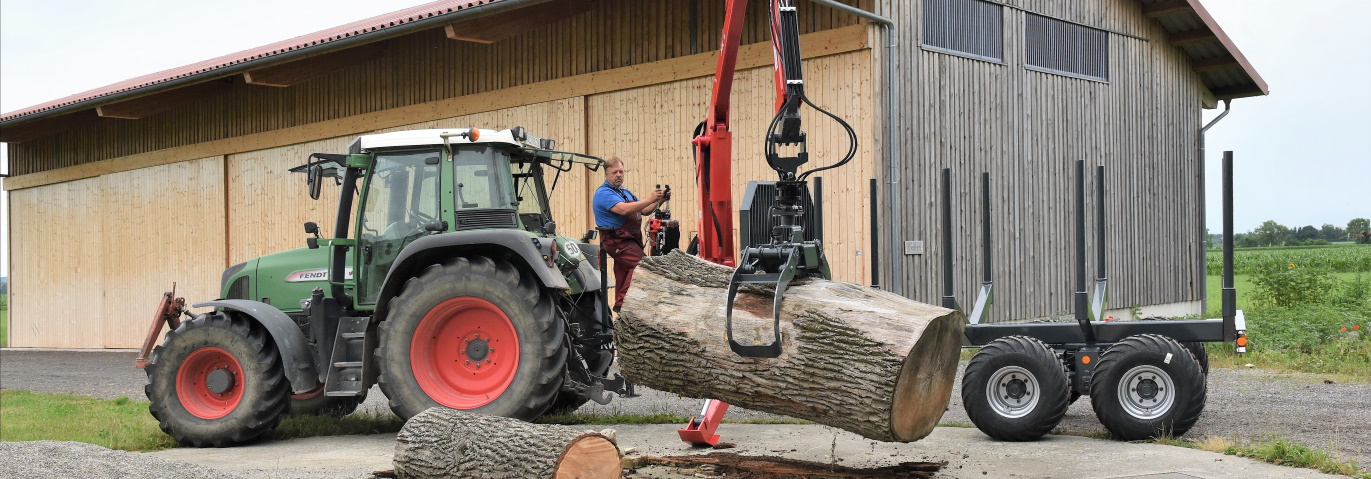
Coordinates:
(347, 367)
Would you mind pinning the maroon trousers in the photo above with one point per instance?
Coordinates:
(625, 245)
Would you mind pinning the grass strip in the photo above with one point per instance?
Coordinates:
(120, 423)
(1272, 449)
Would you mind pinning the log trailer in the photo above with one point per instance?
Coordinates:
(450, 287)
(1145, 378)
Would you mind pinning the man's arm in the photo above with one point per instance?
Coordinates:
(644, 206)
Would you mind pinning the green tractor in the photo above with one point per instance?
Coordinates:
(453, 289)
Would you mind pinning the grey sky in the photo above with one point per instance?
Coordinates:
(1304, 152)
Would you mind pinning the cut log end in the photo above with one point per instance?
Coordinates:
(591, 455)
(926, 379)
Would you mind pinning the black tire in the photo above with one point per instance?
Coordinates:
(316, 403)
(217, 381)
(1030, 387)
(1201, 354)
(1147, 386)
(598, 360)
(443, 312)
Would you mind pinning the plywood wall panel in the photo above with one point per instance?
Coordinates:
(163, 224)
(56, 284)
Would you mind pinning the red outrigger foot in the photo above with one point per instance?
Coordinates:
(700, 430)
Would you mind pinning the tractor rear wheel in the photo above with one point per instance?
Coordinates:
(1146, 386)
(1015, 389)
(315, 403)
(472, 334)
(217, 381)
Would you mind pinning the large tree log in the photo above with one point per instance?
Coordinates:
(442, 442)
(856, 358)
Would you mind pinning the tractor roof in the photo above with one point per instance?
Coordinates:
(433, 137)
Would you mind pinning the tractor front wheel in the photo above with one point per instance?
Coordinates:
(217, 381)
(472, 334)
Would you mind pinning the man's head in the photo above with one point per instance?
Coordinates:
(614, 171)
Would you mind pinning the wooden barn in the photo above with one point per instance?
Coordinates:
(118, 192)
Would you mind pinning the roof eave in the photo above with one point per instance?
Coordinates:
(348, 41)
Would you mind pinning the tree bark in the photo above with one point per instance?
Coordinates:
(859, 359)
(443, 443)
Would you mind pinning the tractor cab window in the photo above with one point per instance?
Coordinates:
(480, 174)
(530, 194)
(401, 199)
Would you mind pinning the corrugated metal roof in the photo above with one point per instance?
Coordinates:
(311, 41)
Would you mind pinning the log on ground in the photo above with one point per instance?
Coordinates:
(856, 358)
(443, 443)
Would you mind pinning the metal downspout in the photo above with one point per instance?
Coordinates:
(887, 153)
(1204, 283)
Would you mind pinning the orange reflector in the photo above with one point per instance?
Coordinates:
(473, 134)
(1242, 340)
(1085, 359)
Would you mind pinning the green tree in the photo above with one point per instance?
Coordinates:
(1271, 233)
(1332, 233)
(1359, 229)
(1306, 233)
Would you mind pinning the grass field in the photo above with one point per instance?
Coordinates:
(1338, 258)
(1243, 284)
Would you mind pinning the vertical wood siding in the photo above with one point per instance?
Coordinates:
(422, 67)
(1027, 128)
(92, 256)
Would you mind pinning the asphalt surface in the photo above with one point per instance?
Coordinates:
(1246, 404)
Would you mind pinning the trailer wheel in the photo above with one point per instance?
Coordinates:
(1201, 354)
(598, 359)
(1146, 386)
(1015, 389)
(217, 381)
(472, 334)
(315, 403)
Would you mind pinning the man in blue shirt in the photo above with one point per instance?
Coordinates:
(616, 207)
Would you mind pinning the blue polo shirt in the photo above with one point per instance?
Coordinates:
(605, 198)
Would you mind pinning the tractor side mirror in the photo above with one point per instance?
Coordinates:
(315, 178)
(590, 235)
(550, 228)
(312, 228)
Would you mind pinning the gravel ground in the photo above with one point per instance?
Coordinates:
(1243, 403)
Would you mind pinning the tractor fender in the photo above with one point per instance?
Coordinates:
(492, 243)
(296, 356)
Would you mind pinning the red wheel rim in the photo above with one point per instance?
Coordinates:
(464, 353)
(210, 383)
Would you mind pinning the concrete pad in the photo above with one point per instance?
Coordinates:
(967, 452)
